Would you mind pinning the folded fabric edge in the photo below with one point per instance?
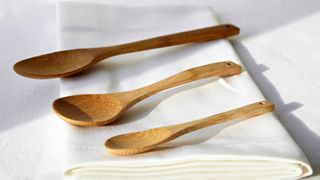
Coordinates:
(216, 165)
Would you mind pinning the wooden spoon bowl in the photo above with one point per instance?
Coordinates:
(88, 109)
(137, 142)
(54, 64)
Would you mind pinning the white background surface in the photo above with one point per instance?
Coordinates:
(275, 35)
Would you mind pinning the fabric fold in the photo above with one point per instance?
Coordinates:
(259, 148)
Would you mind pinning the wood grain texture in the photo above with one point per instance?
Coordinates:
(69, 62)
(141, 141)
(101, 109)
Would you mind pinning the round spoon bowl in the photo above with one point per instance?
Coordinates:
(88, 110)
(137, 142)
(63, 63)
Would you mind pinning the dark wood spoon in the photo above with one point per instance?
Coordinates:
(69, 62)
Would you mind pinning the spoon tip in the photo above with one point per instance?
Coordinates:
(67, 111)
(19, 69)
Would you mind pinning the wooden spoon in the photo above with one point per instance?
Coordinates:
(141, 141)
(68, 62)
(101, 109)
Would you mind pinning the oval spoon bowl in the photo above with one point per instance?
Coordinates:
(88, 110)
(55, 64)
(137, 142)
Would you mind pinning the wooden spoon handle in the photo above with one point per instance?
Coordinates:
(199, 35)
(241, 113)
(221, 69)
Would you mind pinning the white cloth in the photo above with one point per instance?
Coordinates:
(257, 148)
(285, 63)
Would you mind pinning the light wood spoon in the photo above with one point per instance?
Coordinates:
(68, 62)
(101, 109)
(141, 141)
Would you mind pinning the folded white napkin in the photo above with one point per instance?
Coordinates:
(259, 148)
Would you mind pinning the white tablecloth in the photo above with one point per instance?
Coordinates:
(276, 35)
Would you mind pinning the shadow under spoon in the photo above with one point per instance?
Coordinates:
(69, 62)
(141, 141)
(101, 109)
